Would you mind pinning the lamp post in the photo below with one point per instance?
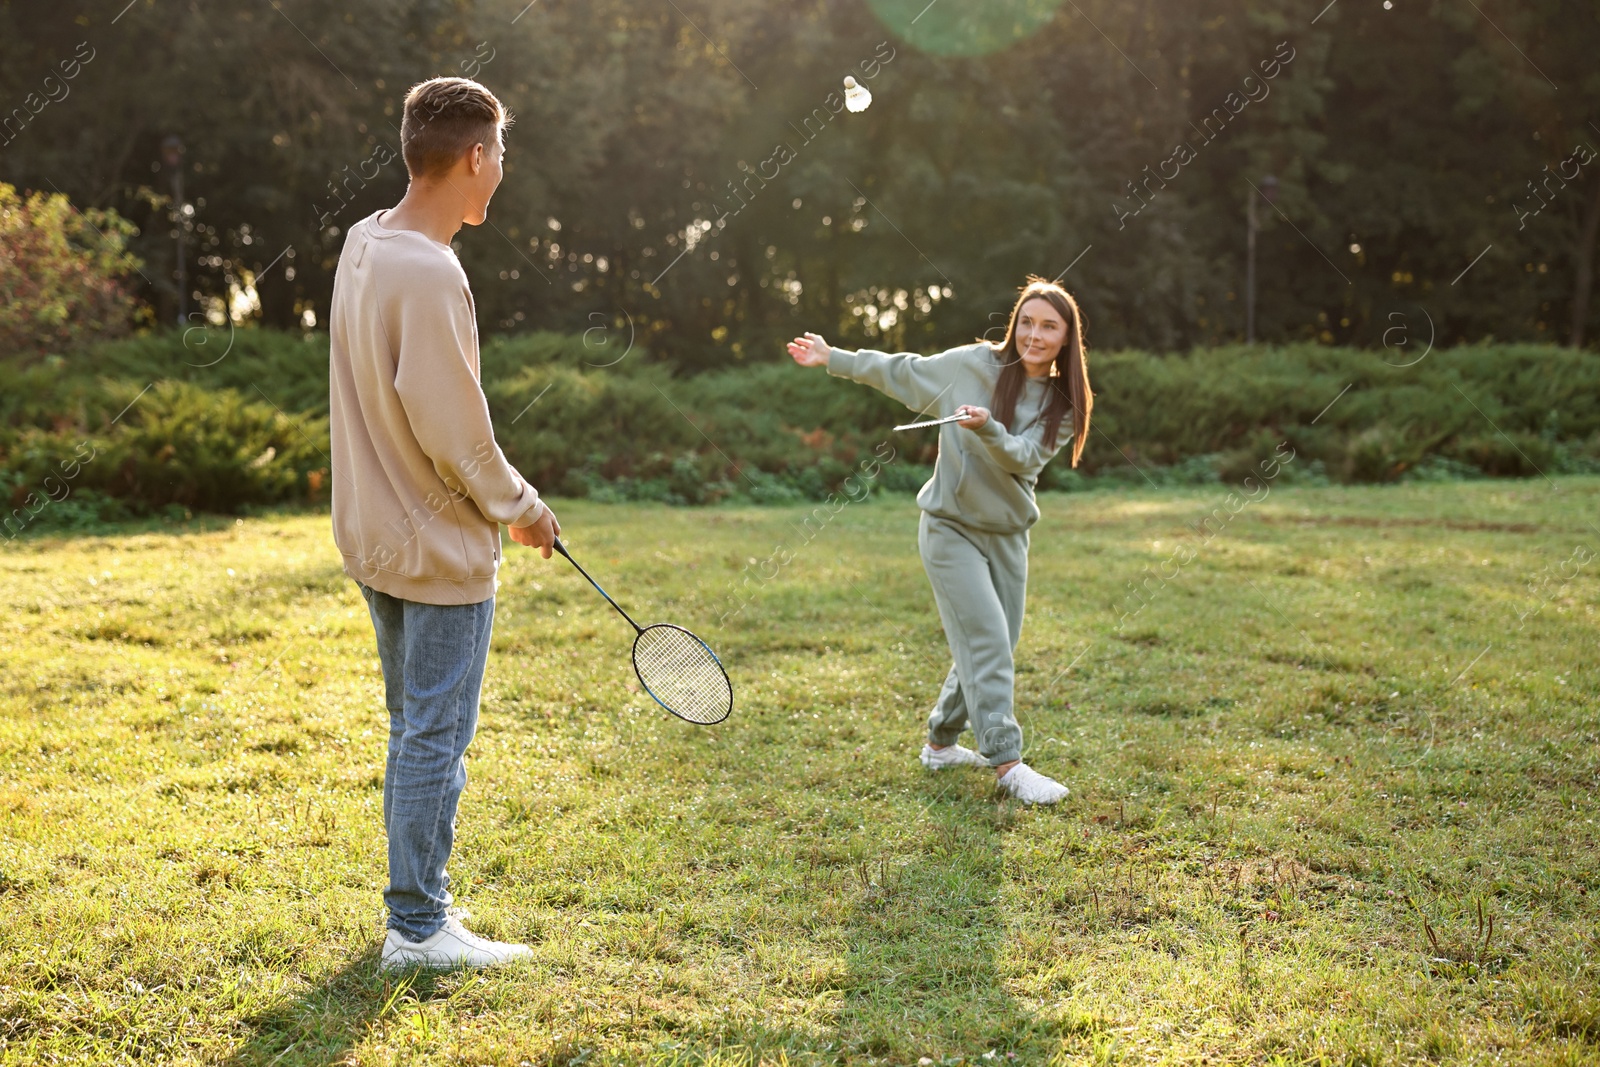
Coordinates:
(1269, 190)
(172, 156)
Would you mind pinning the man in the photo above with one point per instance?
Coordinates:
(420, 490)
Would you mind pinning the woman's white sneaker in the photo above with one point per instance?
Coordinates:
(452, 945)
(936, 759)
(1031, 787)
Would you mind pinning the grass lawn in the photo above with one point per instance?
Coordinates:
(1333, 796)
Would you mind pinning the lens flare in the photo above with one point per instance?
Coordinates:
(964, 27)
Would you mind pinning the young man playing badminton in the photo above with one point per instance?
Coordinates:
(420, 489)
(978, 506)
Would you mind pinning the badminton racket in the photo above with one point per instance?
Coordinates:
(957, 417)
(677, 669)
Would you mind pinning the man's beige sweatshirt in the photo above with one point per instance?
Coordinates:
(419, 484)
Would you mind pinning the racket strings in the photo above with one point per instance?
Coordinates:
(681, 672)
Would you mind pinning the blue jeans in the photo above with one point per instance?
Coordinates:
(433, 658)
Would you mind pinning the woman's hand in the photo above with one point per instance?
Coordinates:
(976, 416)
(810, 350)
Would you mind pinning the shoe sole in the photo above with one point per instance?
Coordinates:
(405, 964)
(947, 766)
(1034, 803)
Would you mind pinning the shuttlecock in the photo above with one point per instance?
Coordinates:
(856, 97)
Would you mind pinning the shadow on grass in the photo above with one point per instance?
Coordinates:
(925, 937)
(320, 1026)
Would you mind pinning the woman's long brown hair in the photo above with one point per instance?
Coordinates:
(1069, 378)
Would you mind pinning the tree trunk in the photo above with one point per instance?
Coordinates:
(1583, 282)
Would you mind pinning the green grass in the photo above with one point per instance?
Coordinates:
(1298, 777)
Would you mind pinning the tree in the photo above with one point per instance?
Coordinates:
(61, 274)
(686, 173)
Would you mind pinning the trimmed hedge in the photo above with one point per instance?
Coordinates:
(239, 419)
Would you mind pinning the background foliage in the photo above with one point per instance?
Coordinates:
(684, 192)
(1408, 141)
(60, 274)
(242, 420)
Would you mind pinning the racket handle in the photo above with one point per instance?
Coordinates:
(561, 548)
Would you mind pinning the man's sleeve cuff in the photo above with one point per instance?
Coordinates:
(531, 516)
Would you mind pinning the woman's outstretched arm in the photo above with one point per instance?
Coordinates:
(922, 383)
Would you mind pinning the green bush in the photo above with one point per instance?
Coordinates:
(239, 418)
(286, 369)
(61, 273)
(1162, 410)
(170, 446)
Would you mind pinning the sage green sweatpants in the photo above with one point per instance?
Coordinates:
(980, 581)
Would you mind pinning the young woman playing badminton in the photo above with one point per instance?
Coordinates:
(978, 506)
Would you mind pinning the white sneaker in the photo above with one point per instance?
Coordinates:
(937, 759)
(1031, 787)
(452, 945)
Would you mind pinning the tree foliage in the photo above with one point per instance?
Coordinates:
(61, 274)
(681, 172)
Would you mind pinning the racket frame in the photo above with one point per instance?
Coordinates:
(933, 422)
(714, 659)
(639, 633)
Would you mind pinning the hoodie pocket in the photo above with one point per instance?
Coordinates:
(987, 496)
(966, 498)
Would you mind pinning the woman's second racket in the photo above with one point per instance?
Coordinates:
(675, 667)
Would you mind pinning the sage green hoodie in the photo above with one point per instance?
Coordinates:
(983, 478)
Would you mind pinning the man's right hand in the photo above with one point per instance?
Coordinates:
(541, 535)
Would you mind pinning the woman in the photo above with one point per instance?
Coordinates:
(978, 506)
